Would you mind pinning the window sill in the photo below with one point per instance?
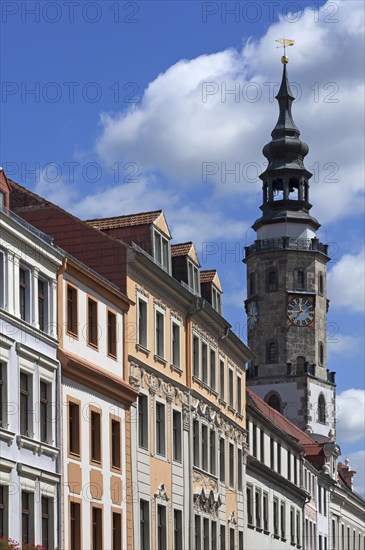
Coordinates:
(144, 350)
(112, 356)
(239, 415)
(159, 359)
(95, 347)
(49, 450)
(259, 529)
(25, 442)
(96, 463)
(144, 450)
(176, 369)
(283, 539)
(231, 409)
(276, 537)
(266, 532)
(7, 436)
(72, 334)
(222, 402)
(74, 456)
(250, 526)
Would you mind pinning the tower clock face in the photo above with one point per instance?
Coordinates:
(300, 311)
(252, 315)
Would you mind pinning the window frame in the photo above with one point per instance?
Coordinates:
(47, 403)
(144, 526)
(160, 334)
(165, 248)
(144, 332)
(213, 369)
(177, 438)
(115, 443)
(97, 527)
(272, 280)
(222, 379)
(26, 288)
(112, 334)
(143, 428)
(196, 356)
(193, 277)
(72, 402)
(72, 315)
(28, 396)
(164, 533)
(175, 348)
(92, 326)
(43, 298)
(159, 405)
(231, 386)
(96, 436)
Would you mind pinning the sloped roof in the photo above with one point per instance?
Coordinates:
(128, 220)
(207, 275)
(181, 249)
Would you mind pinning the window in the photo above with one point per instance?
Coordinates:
(143, 421)
(214, 541)
(231, 539)
(196, 443)
(271, 351)
(74, 428)
(262, 445)
(116, 443)
(240, 540)
(72, 323)
(278, 451)
(27, 517)
(175, 344)
(75, 526)
(25, 404)
(112, 334)
(47, 522)
(144, 525)
(212, 452)
(24, 294)
(222, 460)
(254, 440)
(160, 429)
(221, 379)
(324, 502)
(206, 545)
(321, 353)
(272, 456)
(176, 436)
(239, 469)
(265, 503)
(230, 388)
(117, 531)
(97, 528)
(289, 465)
(213, 369)
(204, 447)
(92, 328)
(292, 526)
(239, 394)
(198, 538)
(271, 281)
(161, 528)
(178, 532)
(249, 497)
(295, 471)
(196, 356)
(142, 323)
(231, 465)
(3, 396)
(321, 409)
(299, 279)
(159, 334)
(223, 537)
(95, 436)
(274, 402)
(282, 520)
(161, 251)
(204, 363)
(42, 304)
(4, 504)
(3, 288)
(251, 284)
(216, 300)
(193, 277)
(276, 517)
(258, 508)
(45, 428)
(319, 499)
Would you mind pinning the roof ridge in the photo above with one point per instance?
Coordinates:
(123, 216)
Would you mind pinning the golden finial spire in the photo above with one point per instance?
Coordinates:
(284, 43)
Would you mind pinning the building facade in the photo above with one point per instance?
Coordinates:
(30, 440)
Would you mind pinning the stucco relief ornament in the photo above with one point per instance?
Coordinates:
(186, 419)
(134, 378)
(169, 392)
(194, 404)
(232, 519)
(153, 384)
(202, 408)
(161, 492)
(207, 502)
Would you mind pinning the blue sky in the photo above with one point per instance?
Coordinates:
(131, 110)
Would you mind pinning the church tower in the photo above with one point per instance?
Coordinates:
(287, 302)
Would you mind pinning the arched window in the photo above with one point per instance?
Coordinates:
(300, 364)
(300, 280)
(274, 402)
(251, 284)
(271, 351)
(320, 282)
(321, 409)
(321, 353)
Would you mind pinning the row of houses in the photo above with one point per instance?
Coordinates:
(125, 418)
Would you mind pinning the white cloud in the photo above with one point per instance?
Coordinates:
(346, 282)
(357, 463)
(174, 131)
(339, 344)
(351, 415)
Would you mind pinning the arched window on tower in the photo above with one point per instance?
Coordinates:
(251, 284)
(271, 351)
(300, 364)
(320, 283)
(274, 402)
(321, 413)
(299, 279)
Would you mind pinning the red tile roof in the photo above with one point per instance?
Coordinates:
(207, 275)
(142, 218)
(181, 249)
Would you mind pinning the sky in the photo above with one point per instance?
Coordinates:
(116, 107)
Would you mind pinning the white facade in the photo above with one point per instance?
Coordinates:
(29, 431)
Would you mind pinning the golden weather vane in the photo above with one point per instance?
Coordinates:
(284, 42)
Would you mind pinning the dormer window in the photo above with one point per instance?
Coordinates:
(193, 277)
(216, 300)
(161, 249)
